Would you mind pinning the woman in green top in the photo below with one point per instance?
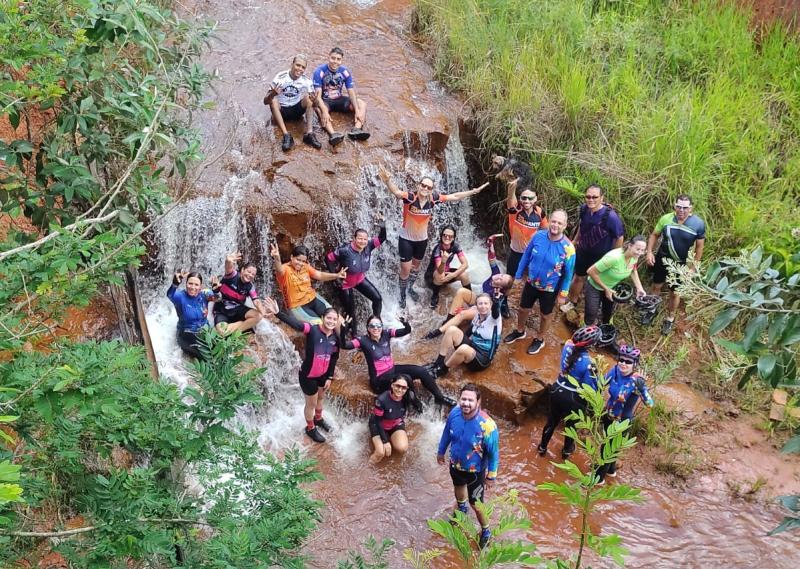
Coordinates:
(614, 267)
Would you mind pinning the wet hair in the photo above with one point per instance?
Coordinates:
(427, 178)
(300, 56)
(247, 265)
(684, 197)
(483, 295)
(337, 50)
(194, 275)
(300, 250)
(452, 228)
(633, 241)
(373, 317)
(357, 231)
(329, 310)
(471, 387)
(590, 186)
(404, 377)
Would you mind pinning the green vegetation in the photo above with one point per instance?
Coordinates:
(649, 99)
(112, 463)
(792, 503)
(582, 493)
(100, 95)
(764, 305)
(98, 462)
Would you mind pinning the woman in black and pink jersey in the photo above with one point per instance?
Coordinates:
(319, 362)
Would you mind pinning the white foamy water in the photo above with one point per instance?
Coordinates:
(185, 241)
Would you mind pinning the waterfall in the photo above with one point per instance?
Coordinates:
(200, 232)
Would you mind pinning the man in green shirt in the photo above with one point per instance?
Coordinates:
(678, 232)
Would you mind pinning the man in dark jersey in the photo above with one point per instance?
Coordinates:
(600, 230)
(678, 231)
(336, 92)
(231, 313)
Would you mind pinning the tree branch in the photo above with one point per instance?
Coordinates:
(54, 234)
(87, 529)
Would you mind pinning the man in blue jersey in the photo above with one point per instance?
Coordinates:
(474, 453)
(336, 92)
(549, 260)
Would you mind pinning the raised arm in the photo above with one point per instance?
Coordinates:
(231, 261)
(404, 331)
(332, 261)
(276, 257)
(511, 196)
(461, 195)
(323, 276)
(387, 179)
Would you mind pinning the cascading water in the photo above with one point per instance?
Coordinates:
(183, 242)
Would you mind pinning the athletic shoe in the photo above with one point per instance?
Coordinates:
(446, 400)
(287, 143)
(358, 134)
(535, 346)
(402, 302)
(315, 435)
(603, 481)
(413, 294)
(565, 454)
(514, 336)
(485, 536)
(311, 140)
(323, 424)
(612, 474)
(541, 451)
(566, 307)
(437, 370)
(666, 327)
(336, 138)
(435, 301)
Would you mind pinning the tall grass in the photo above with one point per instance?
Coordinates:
(646, 97)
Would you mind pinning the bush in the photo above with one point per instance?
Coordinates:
(648, 99)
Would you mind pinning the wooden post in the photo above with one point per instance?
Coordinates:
(130, 313)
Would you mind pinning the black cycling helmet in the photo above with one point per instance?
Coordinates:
(586, 336)
(647, 302)
(608, 333)
(623, 293)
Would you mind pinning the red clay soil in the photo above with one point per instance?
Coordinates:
(767, 11)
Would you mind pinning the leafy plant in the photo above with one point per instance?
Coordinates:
(100, 96)
(791, 503)
(462, 534)
(377, 555)
(764, 306)
(106, 447)
(602, 446)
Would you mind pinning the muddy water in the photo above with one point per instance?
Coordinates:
(686, 528)
(672, 528)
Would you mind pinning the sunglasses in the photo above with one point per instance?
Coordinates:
(401, 387)
(427, 186)
(375, 325)
(683, 207)
(526, 198)
(588, 197)
(448, 236)
(626, 361)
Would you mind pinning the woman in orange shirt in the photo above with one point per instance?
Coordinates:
(294, 280)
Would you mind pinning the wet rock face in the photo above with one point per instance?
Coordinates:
(406, 114)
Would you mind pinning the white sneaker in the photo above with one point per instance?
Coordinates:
(566, 307)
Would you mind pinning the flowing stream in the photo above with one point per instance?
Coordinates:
(692, 527)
